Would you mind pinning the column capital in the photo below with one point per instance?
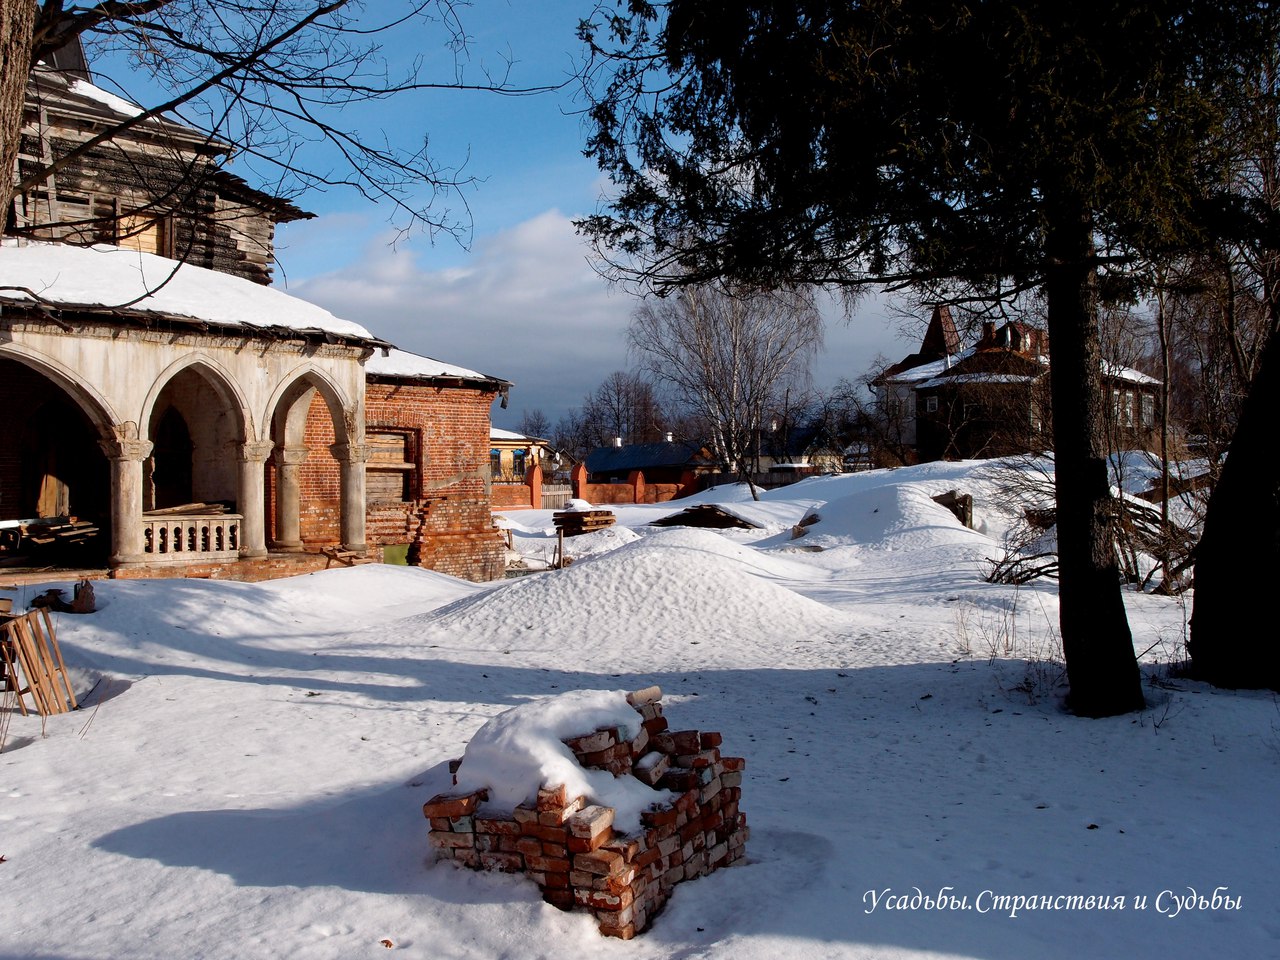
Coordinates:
(116, 448)
(290, 456)
(255, 451)
(350, 452)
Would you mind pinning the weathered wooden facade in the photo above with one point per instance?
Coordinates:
(992, 399)
(159, 189)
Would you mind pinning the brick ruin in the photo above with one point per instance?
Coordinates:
(569, 846)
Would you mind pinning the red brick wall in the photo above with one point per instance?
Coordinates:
(320, 479)
(512, 496)
(450, 517)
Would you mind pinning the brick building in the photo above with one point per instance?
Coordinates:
(194, 420)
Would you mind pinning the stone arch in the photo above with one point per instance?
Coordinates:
(195, 411)
(56, 466)
(289, 404)
(316, 489)
(219, 379)
(93, 404)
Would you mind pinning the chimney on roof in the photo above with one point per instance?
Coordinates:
(668, 437)
(988, 333)
(617, 441)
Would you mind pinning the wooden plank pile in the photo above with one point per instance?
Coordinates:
(569, 846)
(30, 654)
(573, 523)
(57, 532)
(348, 558)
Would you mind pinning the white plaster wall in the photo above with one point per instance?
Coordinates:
(125, 370)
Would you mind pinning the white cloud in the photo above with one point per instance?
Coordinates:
(525, 306)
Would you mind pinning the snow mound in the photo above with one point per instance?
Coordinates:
(903, 516)
(683, 585)
(521, 750)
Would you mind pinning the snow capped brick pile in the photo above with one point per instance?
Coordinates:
(609, 820)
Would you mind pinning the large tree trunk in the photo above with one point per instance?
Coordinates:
(17, 24)
(1233, 642)
(1096, 642)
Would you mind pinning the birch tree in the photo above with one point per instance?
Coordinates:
(728, 355)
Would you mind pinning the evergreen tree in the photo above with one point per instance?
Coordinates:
(996, 147)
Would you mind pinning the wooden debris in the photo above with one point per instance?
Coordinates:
(573, 523)
(30, 653)
(189, 510)
(348, 558)
(707, 515)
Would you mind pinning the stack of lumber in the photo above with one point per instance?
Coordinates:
(60, 530)
(189, 510)
(572, 523)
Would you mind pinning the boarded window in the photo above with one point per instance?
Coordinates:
(495, 464)
(391, 468)
(143, 234)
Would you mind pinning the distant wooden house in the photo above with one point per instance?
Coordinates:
(992, 399)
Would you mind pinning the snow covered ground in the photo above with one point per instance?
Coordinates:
(246, 777)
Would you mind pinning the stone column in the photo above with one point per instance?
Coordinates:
(352, 457)
(252, 497)
(288, 461)
(126, 458)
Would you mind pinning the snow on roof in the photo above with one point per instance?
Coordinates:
(927, 371)
(1120, 372)
(402, 363)
(111, 278)
(975, 378)
(496, 433)
(93, 92)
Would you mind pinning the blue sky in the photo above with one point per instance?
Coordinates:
(521, 301)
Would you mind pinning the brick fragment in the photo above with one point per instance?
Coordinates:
(651, 767)
(599, 862)
(710, 739)
(443, 841)
(687, 741)
(639, 743)
(548, 864)
(552, 798)
(591, 742)
(523, 814)
(628, 847)
(530, 846)
(648, 695)
(659, 817)
(446, 805)
(493, 825)
(655, 725)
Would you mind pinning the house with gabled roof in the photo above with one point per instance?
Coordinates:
(992, 399)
